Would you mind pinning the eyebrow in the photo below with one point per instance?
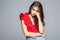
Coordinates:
(36, 10)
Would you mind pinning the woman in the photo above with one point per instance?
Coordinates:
(33, 22)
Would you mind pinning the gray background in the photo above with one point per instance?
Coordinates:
(10, 27)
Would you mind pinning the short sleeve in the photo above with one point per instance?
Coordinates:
(21, 16)
(24, 17)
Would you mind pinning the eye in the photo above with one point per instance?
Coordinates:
(33, 9)
(37, 10)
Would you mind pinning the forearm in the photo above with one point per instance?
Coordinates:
(40, 24)
(41, 28)
(31, 34)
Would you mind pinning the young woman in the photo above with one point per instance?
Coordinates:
(33, 22)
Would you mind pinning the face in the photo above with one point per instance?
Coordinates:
(34, 11)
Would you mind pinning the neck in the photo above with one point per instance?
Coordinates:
(31, 16)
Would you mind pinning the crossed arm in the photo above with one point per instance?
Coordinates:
(26, 33)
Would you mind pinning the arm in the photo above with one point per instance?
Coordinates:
(40, 24)
(41, 27)
(26, 33)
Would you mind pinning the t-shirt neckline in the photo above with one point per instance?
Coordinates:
(30, 19)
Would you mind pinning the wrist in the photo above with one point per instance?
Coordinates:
(39, 19)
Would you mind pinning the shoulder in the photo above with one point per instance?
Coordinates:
(23, 15)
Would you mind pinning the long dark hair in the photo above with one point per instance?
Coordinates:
(39, 5)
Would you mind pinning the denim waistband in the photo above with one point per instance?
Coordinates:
(32, 37)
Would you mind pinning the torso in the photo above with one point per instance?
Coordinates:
(30, 23)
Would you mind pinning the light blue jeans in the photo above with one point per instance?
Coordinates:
(35, 38)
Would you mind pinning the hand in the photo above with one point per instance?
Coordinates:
(37, 14)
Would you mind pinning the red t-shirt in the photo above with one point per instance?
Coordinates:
(28, 23)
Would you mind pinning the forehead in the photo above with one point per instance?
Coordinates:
(35, 7)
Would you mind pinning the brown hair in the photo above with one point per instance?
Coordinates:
(39, 5)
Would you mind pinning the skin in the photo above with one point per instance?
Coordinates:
(34, 12)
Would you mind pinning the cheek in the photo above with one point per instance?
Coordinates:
(33, 12)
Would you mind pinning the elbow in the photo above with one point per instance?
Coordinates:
(41, 32)
(25, 34)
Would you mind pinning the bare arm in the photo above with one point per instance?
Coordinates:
(26, 33)
(40, 24)
(41, 27)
